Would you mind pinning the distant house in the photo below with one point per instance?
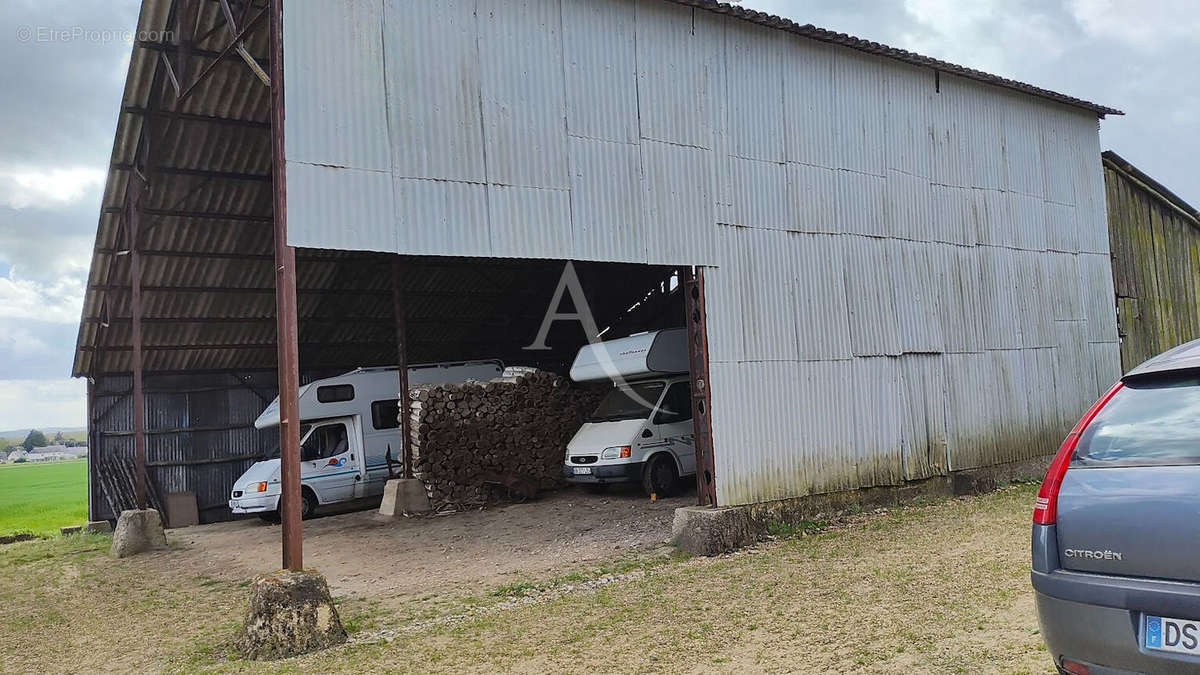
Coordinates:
(47, 456)
(56, 452)
(16, 454)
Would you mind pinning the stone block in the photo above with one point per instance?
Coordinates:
(290, 613)
(98, 526)
(404, 496)
(701, 530)
(138, 530)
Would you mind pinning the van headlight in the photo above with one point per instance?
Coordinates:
(619, 452)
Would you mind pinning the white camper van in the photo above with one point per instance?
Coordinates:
(348, 424)
(642, 430)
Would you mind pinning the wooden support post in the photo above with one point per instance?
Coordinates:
(405, 403)
(286, 317)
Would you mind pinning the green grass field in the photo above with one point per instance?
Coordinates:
(40, 498)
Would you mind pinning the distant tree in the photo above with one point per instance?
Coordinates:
(19, 460)
(35, 439)
(58, 438)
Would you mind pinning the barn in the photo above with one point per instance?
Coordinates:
(1155, 239)
(895, 268)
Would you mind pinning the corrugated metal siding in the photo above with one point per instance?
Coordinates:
(337, 88)
(362, 215)
(200, 436)
(678, 51)
(599, 53)
(608, 218)
(925, 258)
(433, 80)
(754, 65)
(874, 321)
(523, 92)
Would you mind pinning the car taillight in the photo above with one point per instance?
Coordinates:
(1045, 509)
(1075, 668)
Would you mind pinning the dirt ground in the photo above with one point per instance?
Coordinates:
(365, 554)
(574, 583)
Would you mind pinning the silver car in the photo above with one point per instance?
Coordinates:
(1116, 533)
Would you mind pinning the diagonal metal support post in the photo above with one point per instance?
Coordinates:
(240, 46)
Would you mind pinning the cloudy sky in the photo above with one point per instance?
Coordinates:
(62, 95)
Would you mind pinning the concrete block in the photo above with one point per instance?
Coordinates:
(98, 526)
(182, 510)
(701, 530)
(289, 613)
(70, 529)
(138, 530)
(404, 496)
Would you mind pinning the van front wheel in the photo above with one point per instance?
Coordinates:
(308, 504)
(660, 477)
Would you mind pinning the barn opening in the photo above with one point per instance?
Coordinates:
(209, 345)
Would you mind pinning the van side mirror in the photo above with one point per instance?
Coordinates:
(646, 433)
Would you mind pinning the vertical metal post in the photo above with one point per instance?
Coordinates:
(402, 365)
(134, 206)
(286, 317)
(697, 329)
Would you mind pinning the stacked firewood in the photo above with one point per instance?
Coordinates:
(481, 442)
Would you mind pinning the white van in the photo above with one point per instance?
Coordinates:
(642, 430)
(348, 425)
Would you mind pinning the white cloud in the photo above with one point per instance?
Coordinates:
(59, 301)
(43, 403)
(23, 344)
(982, 34)
(23, 187)
(1143, 25)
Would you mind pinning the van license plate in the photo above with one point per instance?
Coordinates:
(582, 470)
(1172, 635)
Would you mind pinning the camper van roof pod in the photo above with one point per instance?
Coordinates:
(661, 352)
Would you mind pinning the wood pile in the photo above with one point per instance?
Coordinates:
(467, 437)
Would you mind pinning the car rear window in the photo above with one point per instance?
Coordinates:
(1150, 422)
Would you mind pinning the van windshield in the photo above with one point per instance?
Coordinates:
(631, 402)
(274, 451)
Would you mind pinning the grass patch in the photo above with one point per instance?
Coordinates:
(785, 530)
(39, 498)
